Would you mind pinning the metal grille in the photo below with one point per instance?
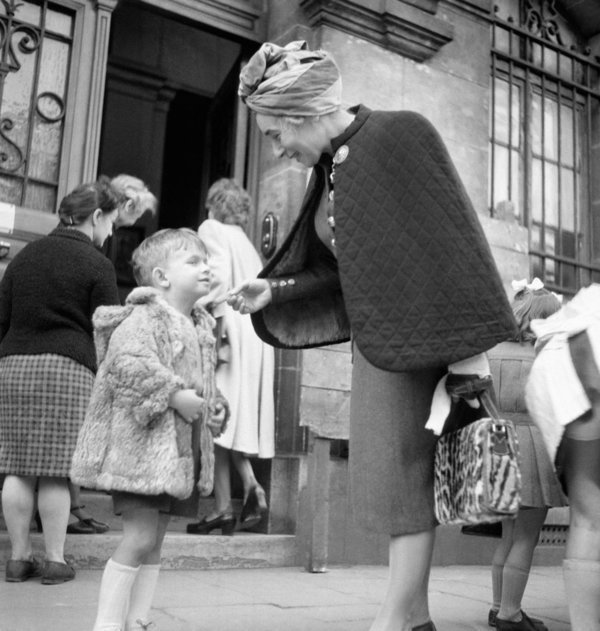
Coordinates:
(553, 535)
(36, 38)
(545, 140)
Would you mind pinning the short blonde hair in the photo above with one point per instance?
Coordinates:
(134, 198)
(229, 202)
(154, 251)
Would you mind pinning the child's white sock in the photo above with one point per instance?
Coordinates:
(141, 597)
(582, 584)
(497, 585)
(514, 581)
(117, 581)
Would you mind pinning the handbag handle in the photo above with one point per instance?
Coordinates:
(474, 387)
(488, 404)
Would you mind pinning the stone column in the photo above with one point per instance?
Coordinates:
(104, 9)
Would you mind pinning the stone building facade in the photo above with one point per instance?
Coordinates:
(148, 87)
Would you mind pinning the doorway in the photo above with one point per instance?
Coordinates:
(169, 116)
(184, 155)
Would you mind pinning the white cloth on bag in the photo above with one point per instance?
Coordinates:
(441, 402)
(554, 394)
(246, 380)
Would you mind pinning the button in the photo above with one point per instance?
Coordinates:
(291, 281)
(273, 283)
(282, 283)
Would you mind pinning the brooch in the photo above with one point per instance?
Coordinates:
(341, 154)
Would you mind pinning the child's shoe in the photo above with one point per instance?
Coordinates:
(525, 624)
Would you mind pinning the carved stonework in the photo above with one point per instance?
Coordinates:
(239, 17)
(406, 27)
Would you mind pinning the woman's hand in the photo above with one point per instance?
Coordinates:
(250, 296)
(187, 403)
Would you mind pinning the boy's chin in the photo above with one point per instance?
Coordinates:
(202, 292)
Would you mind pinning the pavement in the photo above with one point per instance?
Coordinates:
(278, 599)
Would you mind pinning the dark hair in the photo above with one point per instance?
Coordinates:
(81, 202)
(529, 305)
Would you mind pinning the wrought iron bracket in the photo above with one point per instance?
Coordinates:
(406, 27)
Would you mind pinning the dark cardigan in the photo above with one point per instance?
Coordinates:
(48, 295)
(417, 285)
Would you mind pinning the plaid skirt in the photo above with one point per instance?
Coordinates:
(43, 401)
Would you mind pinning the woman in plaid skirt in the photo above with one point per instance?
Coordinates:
(47, 364)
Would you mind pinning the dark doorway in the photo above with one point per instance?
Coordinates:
(183, 162)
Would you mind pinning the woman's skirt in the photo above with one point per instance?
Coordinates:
(43, 401)
(391, 452)
(540, 487)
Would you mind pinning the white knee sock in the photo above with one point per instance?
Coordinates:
(497, 585)
(141, 597)
(582, 584)
(115, 588)
(514, 581)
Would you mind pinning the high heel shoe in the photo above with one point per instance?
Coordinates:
(226, 522)
(255, 507)
(85, 525)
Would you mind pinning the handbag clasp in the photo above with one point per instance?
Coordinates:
(500, 439)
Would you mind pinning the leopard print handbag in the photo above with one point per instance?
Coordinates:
(476, 476)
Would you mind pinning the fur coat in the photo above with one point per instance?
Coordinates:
(131, 440)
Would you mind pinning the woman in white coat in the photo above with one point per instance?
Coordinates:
(246, 368)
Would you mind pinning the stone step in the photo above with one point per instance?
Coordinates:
(180, 551)
(99, 506)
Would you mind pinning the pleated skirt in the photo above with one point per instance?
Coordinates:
(540, 487)
(391, 453)
(43, 401)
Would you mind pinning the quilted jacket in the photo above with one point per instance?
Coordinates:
(415, 283)
(131, 440)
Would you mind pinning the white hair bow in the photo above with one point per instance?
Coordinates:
(534, 285)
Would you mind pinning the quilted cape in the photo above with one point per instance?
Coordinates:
(419, 285)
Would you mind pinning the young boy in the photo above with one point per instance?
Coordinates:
(154, 400)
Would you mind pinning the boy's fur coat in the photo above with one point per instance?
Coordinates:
(131, 440)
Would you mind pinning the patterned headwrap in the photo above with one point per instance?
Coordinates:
(291, 81)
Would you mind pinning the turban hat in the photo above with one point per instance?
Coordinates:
(291, 81)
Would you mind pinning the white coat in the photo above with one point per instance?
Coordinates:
(246, 380)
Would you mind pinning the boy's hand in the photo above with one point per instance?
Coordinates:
(218, 422)
(187, 403)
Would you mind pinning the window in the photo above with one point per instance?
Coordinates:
(544, 141)
(37, 39)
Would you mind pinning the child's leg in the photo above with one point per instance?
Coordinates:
(140, 534)
(115, 587)
(144, 587)
(582, 557)
(499, 559)
(526, 533)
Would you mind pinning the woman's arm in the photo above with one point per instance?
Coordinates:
(253, 295)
